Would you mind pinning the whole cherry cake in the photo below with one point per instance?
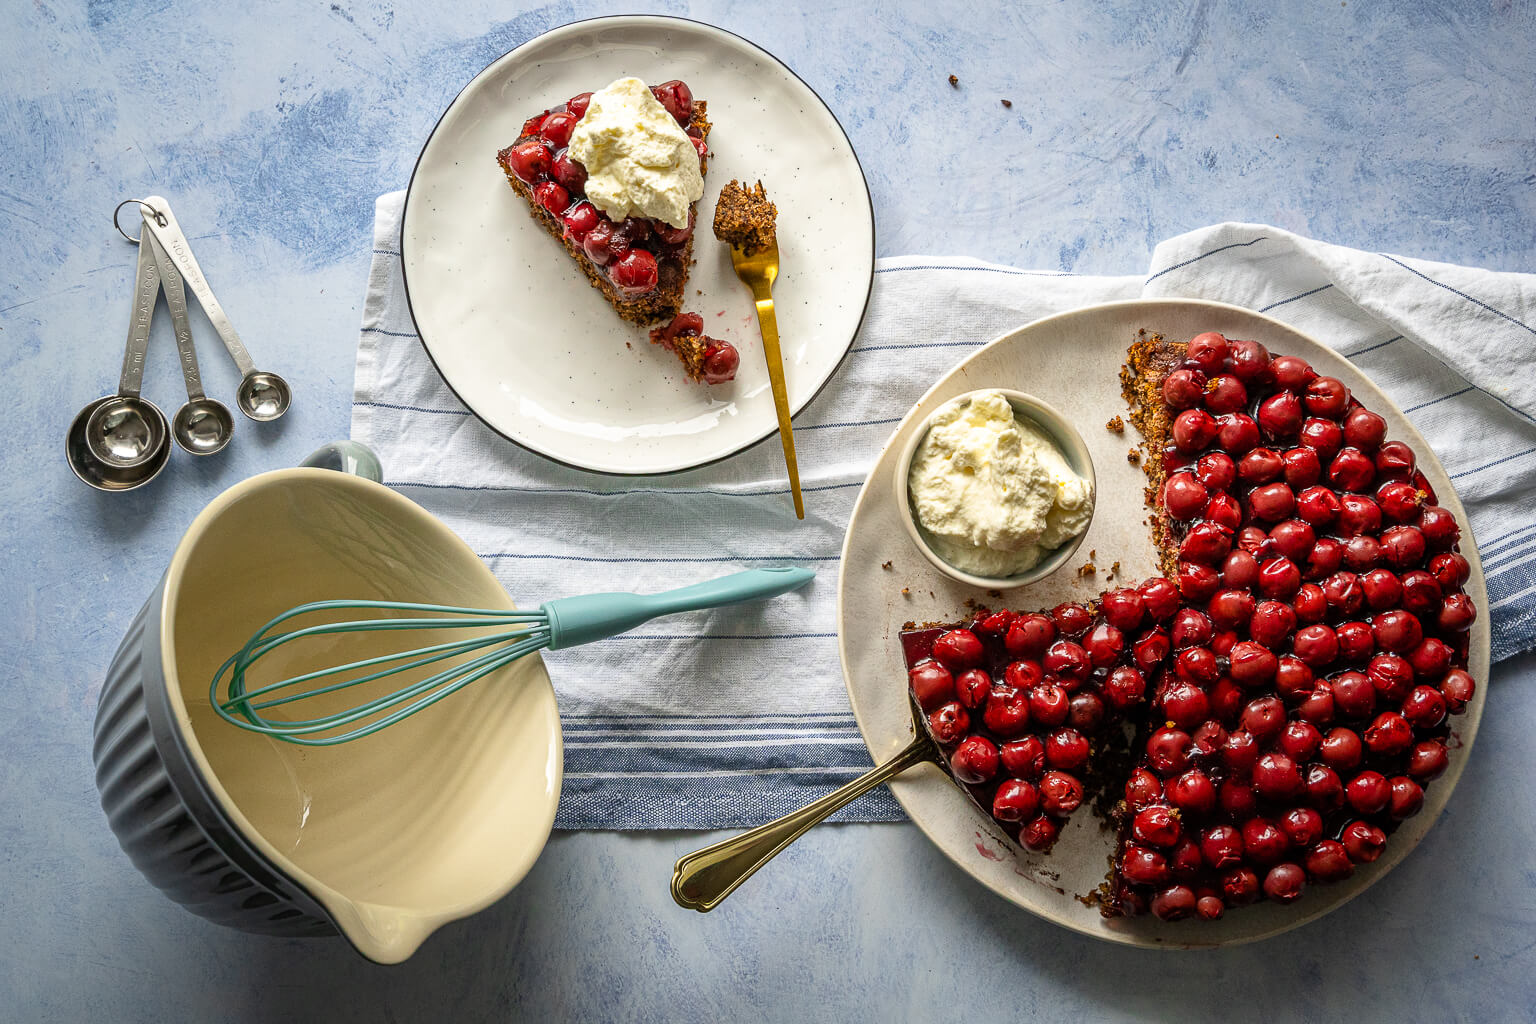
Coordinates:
(639, 262)
(1284, 688)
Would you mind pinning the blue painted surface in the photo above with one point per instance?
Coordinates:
(1400, 127)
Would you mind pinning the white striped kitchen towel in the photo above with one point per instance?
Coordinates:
(732, 717)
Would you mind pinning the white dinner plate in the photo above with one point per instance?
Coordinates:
(1073, 361)
(536, 352)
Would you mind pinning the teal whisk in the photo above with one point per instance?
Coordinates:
(565, 622)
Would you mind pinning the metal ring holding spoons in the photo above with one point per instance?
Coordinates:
(126, 430)
(203, 425)
(262, 395)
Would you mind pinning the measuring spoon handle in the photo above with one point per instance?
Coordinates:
(168, 232)
(146, 288)
(176, 299)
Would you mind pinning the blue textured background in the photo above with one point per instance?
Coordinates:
(1404, 127)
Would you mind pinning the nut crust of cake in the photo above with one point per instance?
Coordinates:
(744, 218)
(1148, 361)
(660, 303)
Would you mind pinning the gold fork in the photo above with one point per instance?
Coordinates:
(758, 272)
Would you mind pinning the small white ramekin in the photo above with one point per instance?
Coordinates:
(1073, 449)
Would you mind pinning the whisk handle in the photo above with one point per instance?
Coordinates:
(580, 620)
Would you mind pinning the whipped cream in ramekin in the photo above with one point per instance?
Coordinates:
(991, 491)
(639, 161)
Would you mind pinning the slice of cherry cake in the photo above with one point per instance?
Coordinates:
(1286, 686)
(639, 264)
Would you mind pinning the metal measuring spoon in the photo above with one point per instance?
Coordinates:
(203, 425)
(126, 430)
(262, 395)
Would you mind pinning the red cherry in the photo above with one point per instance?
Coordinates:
(972, 688)
(1151, 648)
(1142, 866)
(677, 98)
(578, 104)
(1174, 903)
(1197, 582)
(1368, 792)
(1361, 553)
(1221, 846)
(1400, 501)
(1354, 696)
(1193, 793)
(1207, 351)
(1067, 660)
(1190, 628)
(1424, 708)
(1252, 664)
(1168, 751)
(1071, 618)
(579, 220)
(1300, 741)
(1029, 636)
(1224, 511)
(1394, 461)
(1457, 614)
(1352, 470)
(1427, 760)
(1341, 749)
(1324, 789)
(1382, 589)
(1303, 467)
(1271, 623)
(1184, 496)
(1392, 677)
(1364, 429)
(1066, 750)
(1317, 645)
(599, 243)
(1451, 569)
(1184, 388)
(720, 363)
(975, 760)
(1430, 658)
(1263, 842)
(1186, 705)
(1124, 687)
(1407, 798)
(1142, 789)
(1216, 470)
(1279, 416)
(1363, 841)
(1240, 887)
(932, 684)
(1230, 609)
(1272, 502)
(1006, 712)
(1322, 436)
(1402, 547)
(1015, 800)
(1294, 680)
(958, 649)
(1161, 598)
(634, 271)
(569, 172)
(530, 160)
(1358, 515)
(1156, 826)
(1310, 603)
(1253, 540)
(1040, 833)
(1124, 609)
(1236, 799)
(1263, 718)
(1356, 641)
(1439, 528)
(949, 724)
(1326, 557)
(1060, 793)
(1260, 465)
(1240, 570)
(676, 236)
(1023, 674)
(1389, 734)
(1327, 396)
(1237, 432)
(1276, 777)
(1023, 758)
(1197, 664)
(1318, 506)
(1397, 631)
(557, 129)
(1085, 712)
(1048, 705)
(1250, 360)
(1292, 373)
(1224, 394)
(1285, 883)
(1421, 593)
(1279, 577)
(1457, 687)
(1303, 826)
(699, 146)
(553, 197)
(1328, 861)
(1193, 430)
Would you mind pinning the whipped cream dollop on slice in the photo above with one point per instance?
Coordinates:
(992, 491)
(639, 162)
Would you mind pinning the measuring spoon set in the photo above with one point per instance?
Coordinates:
(123, 440)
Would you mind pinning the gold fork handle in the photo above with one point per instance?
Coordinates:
(762, 293)
(702, 880)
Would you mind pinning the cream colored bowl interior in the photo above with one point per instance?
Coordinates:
(397, 833)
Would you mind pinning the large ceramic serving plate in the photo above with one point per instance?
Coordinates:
(1073, 361)
(536, 352)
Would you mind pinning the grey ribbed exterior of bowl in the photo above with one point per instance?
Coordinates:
(167, 821)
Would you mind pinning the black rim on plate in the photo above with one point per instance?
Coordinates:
(773, 428)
